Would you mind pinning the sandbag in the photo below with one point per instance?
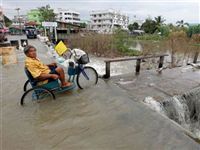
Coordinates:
(8, 55)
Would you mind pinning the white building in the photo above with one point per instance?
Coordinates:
(68, 16)
(17, 20)
(106, 21)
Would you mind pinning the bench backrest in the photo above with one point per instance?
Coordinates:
(134, 58)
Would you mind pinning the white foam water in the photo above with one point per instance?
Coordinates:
(153, 104)
(183, 109)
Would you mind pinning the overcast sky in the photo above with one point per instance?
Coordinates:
(171, 10)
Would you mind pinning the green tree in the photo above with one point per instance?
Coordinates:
(133, 26)
(195, 29)
(83, 25)
(164, 30)
(171, 26)
(130, 27)
(159, 21)
(46, 13)
(181, 23)
(149, 26)
(8, 22)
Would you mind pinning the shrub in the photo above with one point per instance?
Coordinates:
(193, 30)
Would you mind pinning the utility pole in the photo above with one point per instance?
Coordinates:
(18, 9)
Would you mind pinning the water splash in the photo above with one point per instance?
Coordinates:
(153, 104)
(184, 109)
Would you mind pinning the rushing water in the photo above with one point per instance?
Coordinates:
(184, 109)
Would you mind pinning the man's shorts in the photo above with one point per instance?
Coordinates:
(53, 71)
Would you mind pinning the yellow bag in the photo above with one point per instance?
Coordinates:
(60, 48)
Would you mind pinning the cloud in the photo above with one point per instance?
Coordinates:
(171, 10)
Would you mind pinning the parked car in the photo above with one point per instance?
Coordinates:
(3, 33)
(137, 32)
(31, 32)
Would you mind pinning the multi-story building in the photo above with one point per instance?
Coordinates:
(106, 21)
(17, 20)
(68, 16)
(34, 15)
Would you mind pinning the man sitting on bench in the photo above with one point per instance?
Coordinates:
(43, 73)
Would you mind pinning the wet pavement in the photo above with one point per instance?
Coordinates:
(159, 86)
(107, 116)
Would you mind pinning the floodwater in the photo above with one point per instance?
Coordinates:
(102, 117)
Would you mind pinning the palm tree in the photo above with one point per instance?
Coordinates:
(159, 21)
(46, 13)
(181, 23)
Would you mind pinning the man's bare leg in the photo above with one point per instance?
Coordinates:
(61, 73)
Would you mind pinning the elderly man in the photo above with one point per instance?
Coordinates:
(43, 73)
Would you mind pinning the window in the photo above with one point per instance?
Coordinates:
(76, 19)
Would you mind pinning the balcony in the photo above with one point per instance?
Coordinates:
(102, 23)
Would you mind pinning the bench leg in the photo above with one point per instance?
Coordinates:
(160, 65)
(107, 75)
(161, 61)
(137, 69)
(195, 57)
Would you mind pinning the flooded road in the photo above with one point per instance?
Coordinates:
(103, 117)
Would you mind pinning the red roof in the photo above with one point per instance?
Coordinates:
(31, 23)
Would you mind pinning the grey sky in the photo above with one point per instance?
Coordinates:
(171, 10)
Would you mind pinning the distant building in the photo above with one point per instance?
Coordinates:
(34, 15)
(64, 29)
(105, 21)
(68, 16)
(17, 20)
